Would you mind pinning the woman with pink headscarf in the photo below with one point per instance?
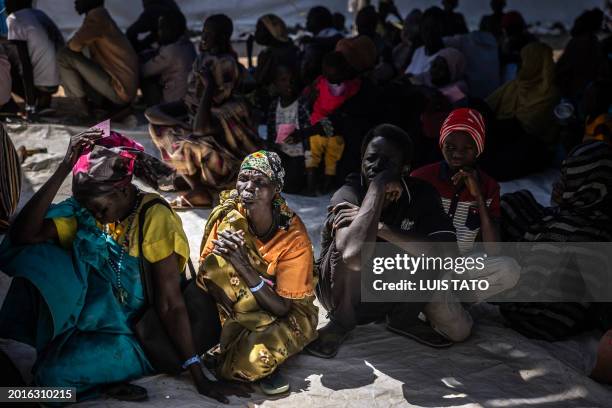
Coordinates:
(83, 311)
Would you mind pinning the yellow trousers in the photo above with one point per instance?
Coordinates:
(325, 148)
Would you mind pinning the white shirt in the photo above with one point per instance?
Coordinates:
(23, 25)
(420, 62)
(289, 116)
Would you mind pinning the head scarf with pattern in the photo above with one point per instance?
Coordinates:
(112, 163)
(270, 165)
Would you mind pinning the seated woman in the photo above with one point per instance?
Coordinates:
(79, 314)
(205, 135)
(257, 262)
(525, 126)
(581, 212)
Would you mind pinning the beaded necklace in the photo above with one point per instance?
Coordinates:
(118, 289)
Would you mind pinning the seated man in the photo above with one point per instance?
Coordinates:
(112, 69)
(37, 39)
(165, 74)
(147, 23)
(379, 205)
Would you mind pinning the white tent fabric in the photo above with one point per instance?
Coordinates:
(246, 12)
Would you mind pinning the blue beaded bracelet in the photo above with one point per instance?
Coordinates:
(191, 361)
(256, 288)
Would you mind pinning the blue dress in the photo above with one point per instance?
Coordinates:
(63, 304)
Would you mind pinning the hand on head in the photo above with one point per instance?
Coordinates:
(79, 144)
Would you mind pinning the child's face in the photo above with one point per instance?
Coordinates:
(210, 37)
(459, 151)
(285, 84)
(333, 75)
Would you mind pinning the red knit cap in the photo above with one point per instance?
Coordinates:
(465, 120)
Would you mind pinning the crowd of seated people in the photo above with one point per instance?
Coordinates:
(410, 125)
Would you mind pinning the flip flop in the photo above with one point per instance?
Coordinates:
(180, 203)
(274, 384)
(423, 333)
(126, 392)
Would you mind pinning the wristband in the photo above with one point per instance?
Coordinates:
(191, 361)
(258, 287)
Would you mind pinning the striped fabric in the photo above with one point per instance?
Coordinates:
(466, 220)
(584, 215)
(10, 182)
(585, 212)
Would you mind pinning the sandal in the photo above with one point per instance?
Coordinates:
(420, 332)
(180, 203)
(274, 384)
(126, 392)
(328, 343)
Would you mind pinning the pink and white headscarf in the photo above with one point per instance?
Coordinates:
(465, 120)
(109, 164)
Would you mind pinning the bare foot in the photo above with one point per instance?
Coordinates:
(603, 368)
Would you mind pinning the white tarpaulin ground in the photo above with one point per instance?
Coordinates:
(246, 12)
(495, 368)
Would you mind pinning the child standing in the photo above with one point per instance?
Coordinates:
(332, 89)
(287, 113)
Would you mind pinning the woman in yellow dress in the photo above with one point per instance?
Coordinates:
(257, 262)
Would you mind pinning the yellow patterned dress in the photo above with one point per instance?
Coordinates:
(253, 341)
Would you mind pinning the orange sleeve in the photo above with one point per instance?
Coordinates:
(294, 270)
(208, 246)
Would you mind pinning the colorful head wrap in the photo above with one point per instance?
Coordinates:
(276, 27)
(268, 163)
(110, 164)
(465, 120)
